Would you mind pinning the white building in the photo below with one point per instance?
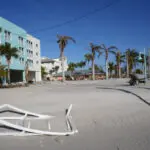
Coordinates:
(34, 58)
(50, 64)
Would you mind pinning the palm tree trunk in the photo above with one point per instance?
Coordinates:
(130, 71)
(119, 71)
(106, 65)
(26, 77)
(93, 70)
(62, 64)
(110, 73)
(127, 65)
(8, 73)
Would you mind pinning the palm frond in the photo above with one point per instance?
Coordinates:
(8, 51)
(63, 41)
(112, 52)
(59, 37)
(103, 46)
(58, 41)
(132, 58)
(99, 53)
(88, 57)
(122, 56)
(94, 50)
(112, 48)
(69, 38)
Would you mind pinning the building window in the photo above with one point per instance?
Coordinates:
(7, 36)
(37, 62)
(29, 53)
(21, 60)
(29, 44)
(21, 50)
(30, 62)
(20, 39)
(37, 46)
(37, 53)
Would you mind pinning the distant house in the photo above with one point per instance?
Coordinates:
(53, 66)
(80, 75)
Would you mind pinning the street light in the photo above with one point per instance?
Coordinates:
(140, 58)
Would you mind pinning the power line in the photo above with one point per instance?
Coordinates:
(77, 18)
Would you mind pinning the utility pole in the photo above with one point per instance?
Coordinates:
(145, 65)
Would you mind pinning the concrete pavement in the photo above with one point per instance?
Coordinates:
(107, 119)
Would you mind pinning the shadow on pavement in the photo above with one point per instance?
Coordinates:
(126, 91)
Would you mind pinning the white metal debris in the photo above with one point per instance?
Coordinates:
(29, 116)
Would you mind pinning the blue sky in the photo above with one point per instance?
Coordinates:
(126, 24)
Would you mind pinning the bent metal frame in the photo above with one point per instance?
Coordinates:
(29, 116)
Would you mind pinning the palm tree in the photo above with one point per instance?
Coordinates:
(9, 52)
(81, 64)
(94, 50)
(108, 50)
(71, 67)
(2, 73)
(119, 60)
(0, 40)
(56, 68)
(97, 68)
(132, 59)
(101, 69)
(111, 67)
(63, 41)
(43, 72)
(52, 71)
(138, 71)
(88, 57)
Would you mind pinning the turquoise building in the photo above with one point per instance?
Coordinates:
(16, 36)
